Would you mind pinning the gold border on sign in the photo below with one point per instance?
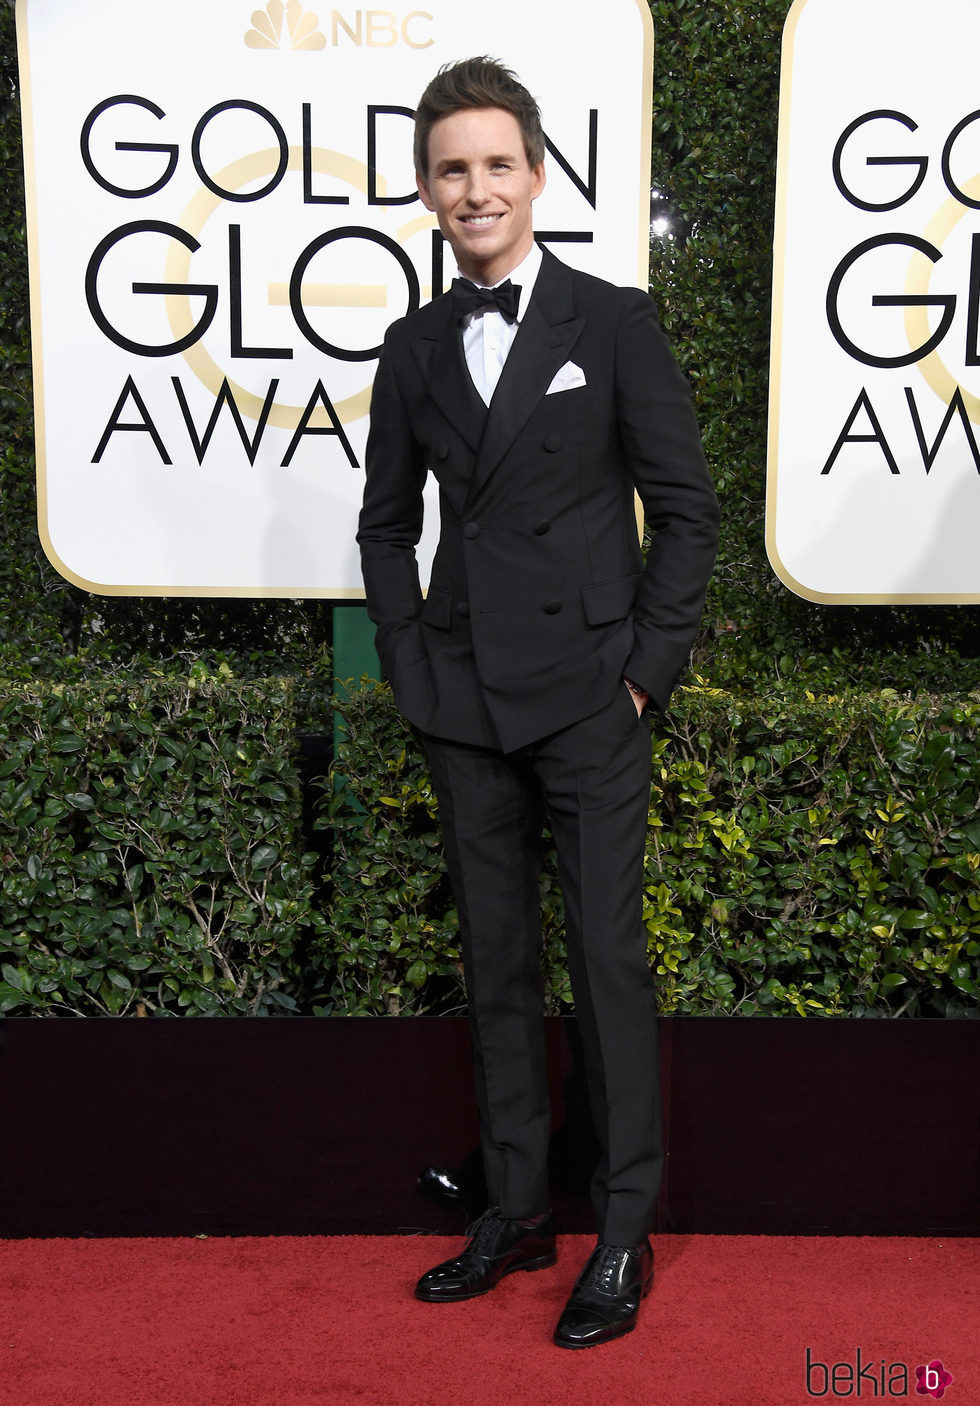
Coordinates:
(775, 360)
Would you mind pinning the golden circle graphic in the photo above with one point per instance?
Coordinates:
(932, 367)
(179, 314)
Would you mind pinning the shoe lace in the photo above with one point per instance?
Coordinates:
(603, 1268)
(483, 1232)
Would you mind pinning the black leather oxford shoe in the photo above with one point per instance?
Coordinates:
(496, 1247)
(606, 1299)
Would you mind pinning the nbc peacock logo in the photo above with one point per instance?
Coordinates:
(287, 26)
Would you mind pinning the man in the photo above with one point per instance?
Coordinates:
(532, 665)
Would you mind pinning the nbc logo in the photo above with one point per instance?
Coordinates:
(289, 26)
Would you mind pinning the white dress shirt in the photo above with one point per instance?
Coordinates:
(488, 336)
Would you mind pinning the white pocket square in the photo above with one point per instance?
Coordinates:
(567, 378)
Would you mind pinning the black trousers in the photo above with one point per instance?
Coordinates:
(591, 783)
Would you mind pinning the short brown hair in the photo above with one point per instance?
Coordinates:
(479, 82)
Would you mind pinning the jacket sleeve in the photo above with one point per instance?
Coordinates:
(390, 522)
(662, 446)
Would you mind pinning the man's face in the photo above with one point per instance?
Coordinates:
(480, 185)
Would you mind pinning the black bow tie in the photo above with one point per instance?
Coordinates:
(468, 298)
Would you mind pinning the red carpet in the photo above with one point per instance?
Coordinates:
(279, 1322)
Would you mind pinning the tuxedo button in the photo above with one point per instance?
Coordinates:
(442, 451)
(471, 530)
(542, 528)
(463, 609)
(553, 443)
(552, 607)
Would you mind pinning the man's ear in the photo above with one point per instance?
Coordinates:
(538, 178)
(423, 191)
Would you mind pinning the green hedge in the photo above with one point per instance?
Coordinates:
(151, 848)
(819, 857)
(816, 857)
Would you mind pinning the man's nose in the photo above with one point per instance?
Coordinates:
(477, 192)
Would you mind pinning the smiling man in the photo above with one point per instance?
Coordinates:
(480, 184)
(539, 397)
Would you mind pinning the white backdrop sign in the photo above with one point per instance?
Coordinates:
(223, 221)
(874, 429)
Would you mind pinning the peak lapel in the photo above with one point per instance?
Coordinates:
(440, 358)
(544, 341)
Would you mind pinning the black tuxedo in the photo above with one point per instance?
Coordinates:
(539, 604)
(539, 600)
